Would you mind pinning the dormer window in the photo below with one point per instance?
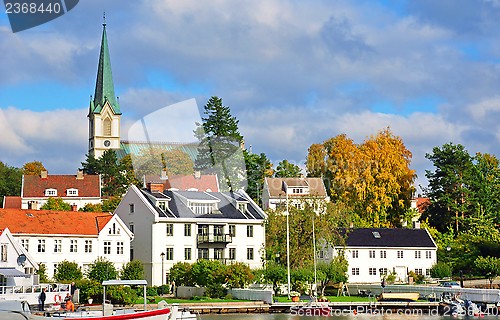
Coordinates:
(202, 208)
(162, 205)
(242, 207)
(50, 192)
(72, 192)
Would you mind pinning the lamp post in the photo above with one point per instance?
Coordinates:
(287, 242)
(162, 270)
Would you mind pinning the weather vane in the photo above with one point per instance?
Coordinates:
(104, 18)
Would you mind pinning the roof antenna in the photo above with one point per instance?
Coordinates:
(104, 19)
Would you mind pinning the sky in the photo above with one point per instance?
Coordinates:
(293, 73)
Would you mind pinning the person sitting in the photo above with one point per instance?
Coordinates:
(70, 306)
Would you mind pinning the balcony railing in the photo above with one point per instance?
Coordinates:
(214, 238)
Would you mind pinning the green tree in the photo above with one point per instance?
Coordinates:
(42, 273)
(33, 168)
(440, 270)
(56, 204)
(206, 272)
(181, 274)
(447, 185)
(10, 181)
(238, 275)
(133, 270)
(286, 169)
(258, 168)
(335, 271)
(102, 269)
(219, 149)
(68, 271)
(488, 266)
(275, 274)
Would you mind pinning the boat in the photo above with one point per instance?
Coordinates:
(398, 296)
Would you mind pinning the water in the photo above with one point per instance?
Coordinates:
(282, 316)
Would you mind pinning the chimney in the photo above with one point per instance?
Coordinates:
(74, 207)
(43, 174)
(164, 175)
(416, 224)
(155, 187)
(351, 225)
(79, 175)
(197, 174)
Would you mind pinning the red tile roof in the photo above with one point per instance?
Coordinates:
(12, 202)
(35, 186)
(21, 221)
(185, 182)
(422, 204)
(276, 188)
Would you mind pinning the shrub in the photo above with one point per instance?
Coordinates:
(441, 270)
(121, 295)
(89, 289)
(216, 290)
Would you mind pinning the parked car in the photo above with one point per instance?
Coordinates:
(450, 284)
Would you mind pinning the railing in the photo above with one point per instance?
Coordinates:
(55, 292)
(211, 238)
(222, 260)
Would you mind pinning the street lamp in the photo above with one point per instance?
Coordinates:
(287, 242)
(162, 270)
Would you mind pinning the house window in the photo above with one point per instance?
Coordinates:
(355, 271)
(3, 249)
(72, 192)
(428, 254)
(41, 245)
(131, 208)
(249, 231)
(321, 254)
(201, 208)
(119, 247)
(107, 247)
(428, 272)
(57, 245)
(88, 246)
(170, 230)
(242, 207)
(249, 253)
(382, 271)
(187, 254)
(50, 192)
(169, 254)
(187, 230)
(232, 253)
(372, 254)
(162, 205)
(218, 254)
(297, 190)
(131, 227)
(418, 254)
(232, 230)
(73, 246)
(26, 244)
(400, 254)
(203, 253)
(355, 254)
(383, 254)
(418, 271)
(372, 271)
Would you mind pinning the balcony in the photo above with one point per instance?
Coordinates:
(211, 238)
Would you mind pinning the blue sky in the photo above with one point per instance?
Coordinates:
(293, 72)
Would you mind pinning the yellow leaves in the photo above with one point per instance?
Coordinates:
(373, 177)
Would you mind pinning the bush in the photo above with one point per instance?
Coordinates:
(441, 270)
(89, 289)
(417, 278)
(121, 295)
(216, 290)
(151, 291)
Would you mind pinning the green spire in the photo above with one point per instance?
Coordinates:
(104, 87)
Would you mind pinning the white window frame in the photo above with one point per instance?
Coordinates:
(72, 192)
(51, 192)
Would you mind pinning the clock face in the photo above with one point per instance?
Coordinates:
(107, 143)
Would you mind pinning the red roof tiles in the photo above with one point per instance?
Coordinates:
(53, 222)
(35, 186)
(12, 202)
(185, 182)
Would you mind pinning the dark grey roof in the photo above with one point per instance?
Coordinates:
(196, 195)
(150, 196)
(382, 237)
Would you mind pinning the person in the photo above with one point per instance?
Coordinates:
(73, 289)
(70, 306)
(172, 287)
(42, 298)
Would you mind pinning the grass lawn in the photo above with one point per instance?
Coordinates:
(170, 300)
(333, 299)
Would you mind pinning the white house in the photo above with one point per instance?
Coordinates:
(373, 253)
(184, 226)
(276, 191)
(76, 190)
(50, 237)
(17, 267)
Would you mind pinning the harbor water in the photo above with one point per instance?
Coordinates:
(284, 316)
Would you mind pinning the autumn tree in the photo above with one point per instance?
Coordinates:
(57, 204)
(154, 160)
(33, 168)
(286, 169)
(372, 180)
(219, 149)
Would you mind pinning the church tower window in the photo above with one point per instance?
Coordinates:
(107, 127)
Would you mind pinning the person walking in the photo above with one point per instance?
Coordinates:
(42, 298)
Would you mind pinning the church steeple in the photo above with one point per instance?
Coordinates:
(104, 112)
(104, 87)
